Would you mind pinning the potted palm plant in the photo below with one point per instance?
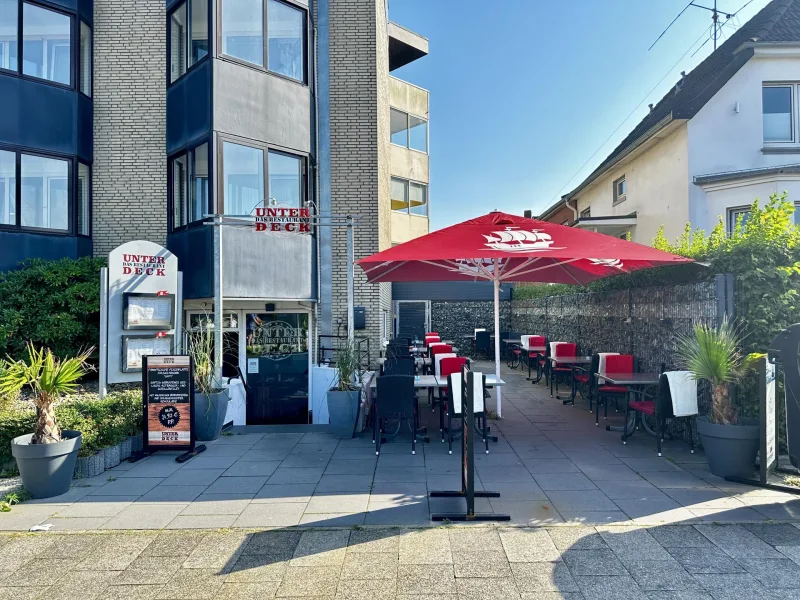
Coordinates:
(343, 397)
(210, 397)
(46, 457)
(730, 441)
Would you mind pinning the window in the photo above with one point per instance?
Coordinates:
(44, 192)
(777, 113)
(84, 222)
(198, 183)
(243, 30)
(46, 43)
(285, 38)
(242, 178)
(620, 188)
(285, 179)
(86, 59)
(417, 133)
(8, 188)
(8, 35)
(179, 179)
(409, 197)
(586, 212)
(408, 131)
(188, 36)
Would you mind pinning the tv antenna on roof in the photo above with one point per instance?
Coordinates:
(716, 25)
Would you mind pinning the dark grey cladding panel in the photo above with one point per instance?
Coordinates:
(448, 290)
(189, 108)
(260, 106)
(267, 265)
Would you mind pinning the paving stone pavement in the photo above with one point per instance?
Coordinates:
(668, 562)
(551, 465)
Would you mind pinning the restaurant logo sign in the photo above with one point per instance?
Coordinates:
(292, 220)
(143, 264)
(277, 340)
(518, 240)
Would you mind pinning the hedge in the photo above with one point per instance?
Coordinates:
(103, 423)
(55, 304)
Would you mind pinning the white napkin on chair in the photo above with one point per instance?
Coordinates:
(683, 389)
(601, 369)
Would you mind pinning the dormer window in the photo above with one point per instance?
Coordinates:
(620, 188)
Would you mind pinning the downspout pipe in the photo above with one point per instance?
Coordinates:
(574, 209)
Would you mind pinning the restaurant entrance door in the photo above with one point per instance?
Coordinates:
(277, 368)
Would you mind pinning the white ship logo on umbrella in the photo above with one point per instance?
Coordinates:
(520, 240)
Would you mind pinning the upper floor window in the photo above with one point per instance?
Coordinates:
(245, 187)
(620, 190)
(408, 131)
(777, 106)
(189, 186)
(188, 36)
(39, 192)
(586, 212)
(43, 48)
(409, 197)
(743, 213)
(244, 23)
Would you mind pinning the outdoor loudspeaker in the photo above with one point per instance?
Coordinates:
(269, 307)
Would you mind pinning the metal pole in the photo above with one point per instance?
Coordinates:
(103, 332)
(497, 335)
(218, 297)
(350, 282)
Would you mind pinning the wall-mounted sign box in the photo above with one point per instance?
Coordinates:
(148, 311)
(136, 347)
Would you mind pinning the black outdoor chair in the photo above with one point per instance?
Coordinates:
(660, 408)
(398, 348)
(482, 345)
(605, 392)
(455, 410)
(397, 400)
(504, 335)
(399, 366)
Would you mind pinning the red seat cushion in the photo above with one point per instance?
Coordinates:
(582, 378)
(648, 407)
(612, 389)
(517, 351)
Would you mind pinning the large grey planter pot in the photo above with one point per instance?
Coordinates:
(90, 466)
(209, 415)
(111, 456)
(730, 449)
(46, 469)
(125, 449)
(342, 412)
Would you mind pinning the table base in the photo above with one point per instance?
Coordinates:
(466, 516)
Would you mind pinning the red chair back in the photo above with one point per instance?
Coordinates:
(432, 338)
(432, 333)
(566, 350)
(452, 365)
(619, 363)
(439, 349)
(537, 340)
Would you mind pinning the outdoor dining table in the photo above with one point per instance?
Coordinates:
(419, 361)
(628, 380)
(574, 362)
(538, 350)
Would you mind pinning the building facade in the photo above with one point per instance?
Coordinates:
(139, 119)
(725, 134)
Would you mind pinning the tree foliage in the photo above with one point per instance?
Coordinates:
(55, 304)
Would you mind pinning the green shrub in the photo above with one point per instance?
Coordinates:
(51, 303)
(103, 423)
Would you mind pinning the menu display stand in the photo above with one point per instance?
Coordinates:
(168, 407)
(467, 490)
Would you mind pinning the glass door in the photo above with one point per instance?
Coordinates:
(230, 338)
(277, 368)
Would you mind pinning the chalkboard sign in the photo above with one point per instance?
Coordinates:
(168, 401)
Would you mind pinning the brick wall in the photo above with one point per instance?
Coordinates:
(561, 215)
(129, 177)
(360, 180)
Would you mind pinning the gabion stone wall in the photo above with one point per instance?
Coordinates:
(643, 322)
(458, 321)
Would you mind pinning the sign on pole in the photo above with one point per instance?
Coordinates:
(769, 428)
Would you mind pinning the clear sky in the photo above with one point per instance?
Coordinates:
(524, 92)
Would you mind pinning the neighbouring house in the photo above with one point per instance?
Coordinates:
(727, 132)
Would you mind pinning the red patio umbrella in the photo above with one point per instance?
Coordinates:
(503, 247)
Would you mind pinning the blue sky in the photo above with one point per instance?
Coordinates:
(522, 97)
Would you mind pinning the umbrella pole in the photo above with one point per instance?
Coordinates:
(497, 335)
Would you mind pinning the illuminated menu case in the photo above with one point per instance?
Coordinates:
(136, 347)
(148, 311)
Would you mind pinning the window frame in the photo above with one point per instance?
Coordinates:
(74, 46)
(407, 210)
(77, 199)
(585, 213)
(187, 40)
(793, 118)
(407, 145)
(265, 44)
(72, 192)
(732, 215)
(79, 69)
(218, 202)
(186, 151)
(617, 197)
